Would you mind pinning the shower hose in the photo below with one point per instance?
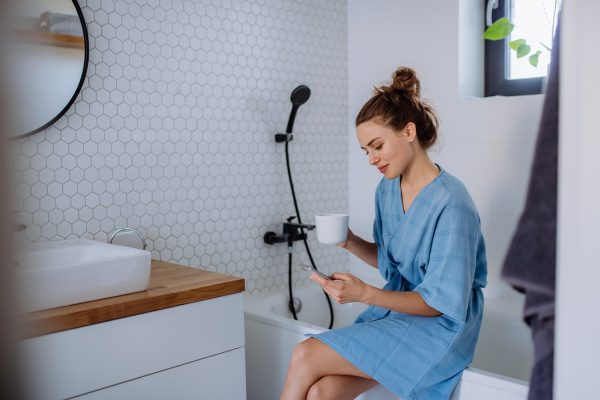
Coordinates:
(292, 308)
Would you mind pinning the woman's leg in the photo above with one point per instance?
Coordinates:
(313, 360)
(340, 387)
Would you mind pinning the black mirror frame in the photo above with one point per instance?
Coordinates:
(78, 90)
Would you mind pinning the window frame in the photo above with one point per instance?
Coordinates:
(497, 64)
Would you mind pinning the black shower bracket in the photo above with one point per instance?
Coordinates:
(283, 137)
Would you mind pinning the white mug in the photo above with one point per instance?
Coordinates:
(332, 228)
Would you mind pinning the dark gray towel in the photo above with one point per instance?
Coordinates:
(530, 264)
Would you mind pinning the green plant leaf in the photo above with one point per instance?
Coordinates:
(499, 29)
(523, 50)
(515, 44)
(534, 58)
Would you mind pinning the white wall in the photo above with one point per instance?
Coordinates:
(487, 143)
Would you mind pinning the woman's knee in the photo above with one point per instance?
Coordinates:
(320, 390)
(302, 353)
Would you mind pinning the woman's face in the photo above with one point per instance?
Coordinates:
(388, 150)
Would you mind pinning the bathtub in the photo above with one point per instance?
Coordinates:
(500, 369)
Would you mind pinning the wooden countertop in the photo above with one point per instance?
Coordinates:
(170, 285)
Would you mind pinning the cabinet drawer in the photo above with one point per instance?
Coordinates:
(79, 361)
(217, 377)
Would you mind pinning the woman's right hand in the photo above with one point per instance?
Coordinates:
(349, 238)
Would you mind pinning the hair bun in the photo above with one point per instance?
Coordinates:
(399, 103)
(405, 84)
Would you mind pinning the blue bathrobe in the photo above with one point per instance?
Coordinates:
(436, 248)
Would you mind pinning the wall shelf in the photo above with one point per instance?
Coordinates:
(48, 38)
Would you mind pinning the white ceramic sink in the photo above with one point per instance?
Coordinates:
(61, 273)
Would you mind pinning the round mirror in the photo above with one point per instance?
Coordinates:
(48, 57)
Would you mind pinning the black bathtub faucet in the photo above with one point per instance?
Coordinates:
(291, 233)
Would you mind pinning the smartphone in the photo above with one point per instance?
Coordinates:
(311, 269)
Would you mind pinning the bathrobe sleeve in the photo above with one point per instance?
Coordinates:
(451, 265)
(377, 227)
(378, 234)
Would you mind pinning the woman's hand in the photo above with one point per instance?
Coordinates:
(346, 289)
(349, 238)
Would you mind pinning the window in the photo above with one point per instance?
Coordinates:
(507, 75)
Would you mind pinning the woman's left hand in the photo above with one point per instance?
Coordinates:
(345, 289)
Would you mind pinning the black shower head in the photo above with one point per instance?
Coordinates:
(299, 96)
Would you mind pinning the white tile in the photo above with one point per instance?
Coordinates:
(49, 231)
(40, 217)
(63, 202)
(30, 176)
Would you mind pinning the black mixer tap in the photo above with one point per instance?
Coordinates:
(291, 233)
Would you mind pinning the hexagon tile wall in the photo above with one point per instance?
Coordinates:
(173, 134)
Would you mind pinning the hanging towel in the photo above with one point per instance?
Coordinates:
(530, 264)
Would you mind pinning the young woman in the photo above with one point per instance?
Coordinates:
(419, 332)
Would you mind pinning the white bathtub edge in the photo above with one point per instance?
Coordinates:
(281, 322)
(496, 381)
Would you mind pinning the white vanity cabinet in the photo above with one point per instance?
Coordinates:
(189, 351)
